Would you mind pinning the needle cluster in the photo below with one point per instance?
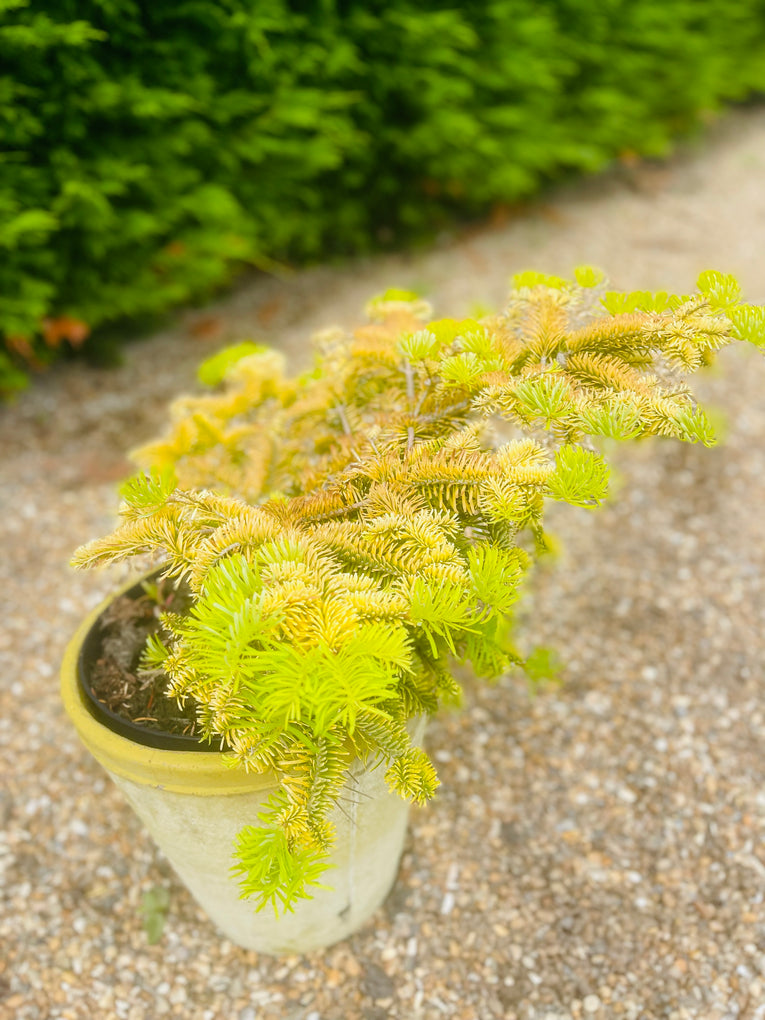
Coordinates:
(348, 534)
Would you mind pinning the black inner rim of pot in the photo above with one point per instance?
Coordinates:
(91, 648)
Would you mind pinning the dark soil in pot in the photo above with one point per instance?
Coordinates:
(129, 700)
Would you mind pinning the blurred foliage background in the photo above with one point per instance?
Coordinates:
(149, 149)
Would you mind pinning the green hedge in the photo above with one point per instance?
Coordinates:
(151, 147)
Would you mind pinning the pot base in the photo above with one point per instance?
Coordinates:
(197, 835)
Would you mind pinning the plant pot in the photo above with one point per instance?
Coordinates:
(194, 805)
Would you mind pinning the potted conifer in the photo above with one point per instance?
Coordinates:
(331, 545)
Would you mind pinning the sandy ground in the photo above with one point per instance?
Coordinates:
(595, 851)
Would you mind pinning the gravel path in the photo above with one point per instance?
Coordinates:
(596, 851)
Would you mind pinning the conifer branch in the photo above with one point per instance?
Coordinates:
(345, 536)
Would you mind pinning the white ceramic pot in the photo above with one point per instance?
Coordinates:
(194, 805)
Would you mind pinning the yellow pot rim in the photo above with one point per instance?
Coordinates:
(204, 773)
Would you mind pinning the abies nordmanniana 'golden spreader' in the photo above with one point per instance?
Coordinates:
(349, 533)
